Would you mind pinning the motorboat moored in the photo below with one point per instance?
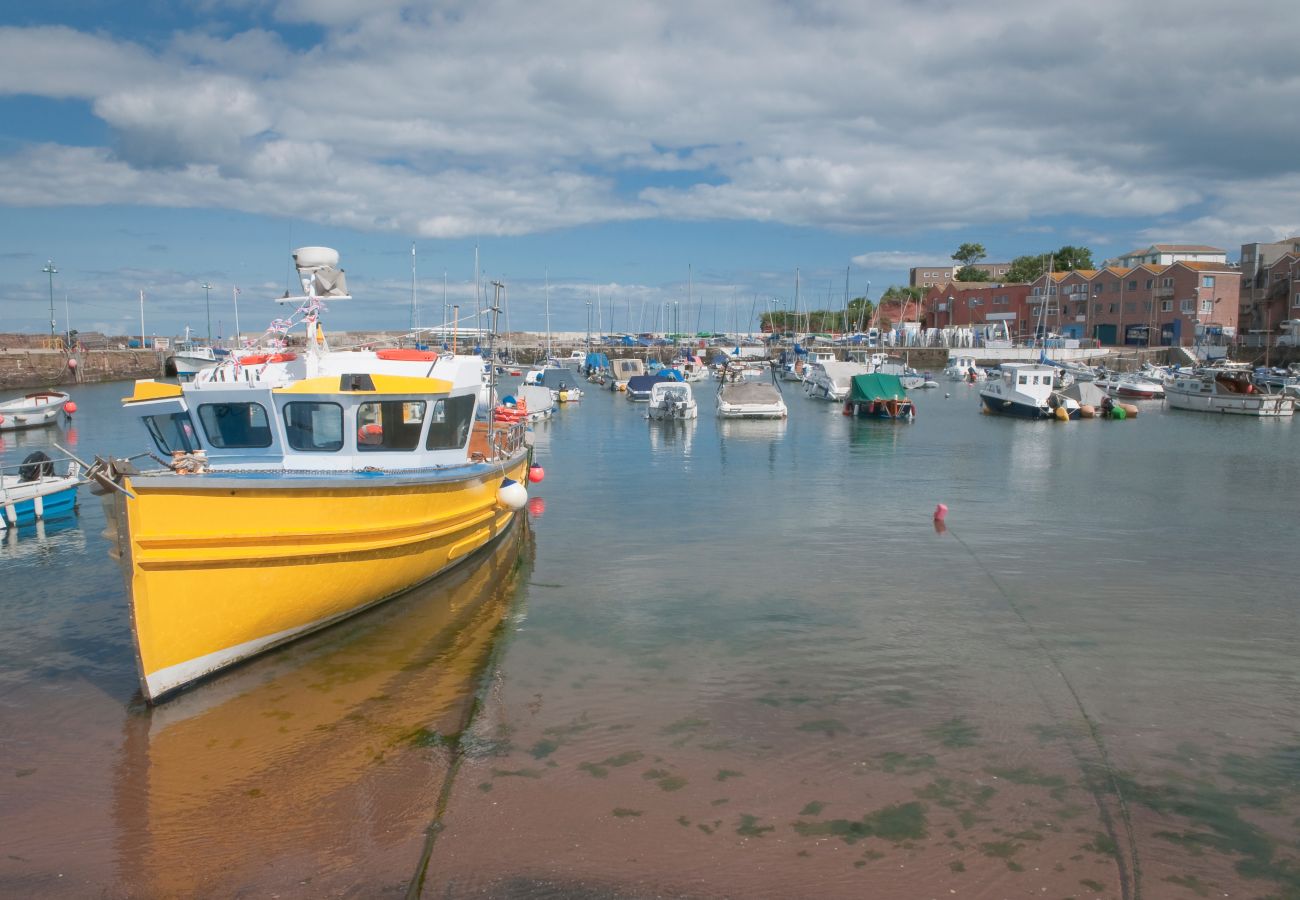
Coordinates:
(300, 489)
(1228, 390)
(879, 396)
(1027, 390)
(32, 410)
(672, 400)
(32, 491)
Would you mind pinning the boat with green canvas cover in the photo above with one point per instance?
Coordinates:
(879, 396)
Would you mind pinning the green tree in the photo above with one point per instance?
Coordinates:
(900, 294)
(1069, 258)
(969, 254)
(1025, 269)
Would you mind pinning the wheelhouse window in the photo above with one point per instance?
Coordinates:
(235, 425)
(314, 427)
(449, 423)
(172, 432)
(390, 424)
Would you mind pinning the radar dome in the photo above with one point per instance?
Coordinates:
(315, 258)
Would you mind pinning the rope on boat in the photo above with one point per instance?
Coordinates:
(1129, 889)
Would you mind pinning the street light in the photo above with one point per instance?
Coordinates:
(207, 287)
(50, 270)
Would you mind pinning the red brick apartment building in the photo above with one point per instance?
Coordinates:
(1147, 305)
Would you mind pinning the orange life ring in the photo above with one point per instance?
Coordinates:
(372, 433)
(408, 355)
(258, 359)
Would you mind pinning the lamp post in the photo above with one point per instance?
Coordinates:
(208, 305)
(50, 270)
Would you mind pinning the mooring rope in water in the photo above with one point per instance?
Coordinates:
(1129, 892)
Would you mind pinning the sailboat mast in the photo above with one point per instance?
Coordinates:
(547, 276)
(846, 299)
(415, 308)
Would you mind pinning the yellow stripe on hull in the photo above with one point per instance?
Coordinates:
(220, 575)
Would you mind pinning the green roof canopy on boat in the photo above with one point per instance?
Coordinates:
(869, 388)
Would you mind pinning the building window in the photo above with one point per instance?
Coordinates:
(1207, 281)
(1133, 285)
(1187, 307)
(1098, 288)
(1166, 282)
(1165, 305)
(1147, 306)
(1150, 282)
(1295, 301)
(1207, 306)
(1114, 308)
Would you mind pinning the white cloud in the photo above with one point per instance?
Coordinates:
(511, 117)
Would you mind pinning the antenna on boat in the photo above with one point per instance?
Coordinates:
(492, 356)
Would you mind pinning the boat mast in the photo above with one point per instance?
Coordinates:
(547, 276)
(415, 307)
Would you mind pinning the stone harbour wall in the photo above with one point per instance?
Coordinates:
(49, 368)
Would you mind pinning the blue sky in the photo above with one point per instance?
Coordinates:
(157, 146)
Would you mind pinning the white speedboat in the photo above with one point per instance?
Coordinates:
(562, 382)
(751, 400)
(31, 411)
(1226, 390)
(832, 380)
(190, 358)
(672, 400)
(693, 368)
(1131, 385)
(1028, 391)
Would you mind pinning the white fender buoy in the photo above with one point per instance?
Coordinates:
(511, 494)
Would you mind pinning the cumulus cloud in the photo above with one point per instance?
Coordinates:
(513, 117)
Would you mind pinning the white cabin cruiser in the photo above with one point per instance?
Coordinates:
(1027, 390)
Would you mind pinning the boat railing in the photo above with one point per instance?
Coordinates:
(507, 439)
(36, 466)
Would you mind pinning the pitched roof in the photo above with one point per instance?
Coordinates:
(1204, 266)
(1174, 248)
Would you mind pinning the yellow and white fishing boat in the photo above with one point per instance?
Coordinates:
(302, 487)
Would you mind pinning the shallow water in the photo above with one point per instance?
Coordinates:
(723, 659)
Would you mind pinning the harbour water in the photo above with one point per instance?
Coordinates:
(718, 659)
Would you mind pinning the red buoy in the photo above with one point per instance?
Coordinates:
(69, 407)
(536, 473)
(72, 363)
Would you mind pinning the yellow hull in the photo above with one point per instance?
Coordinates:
(222, 568)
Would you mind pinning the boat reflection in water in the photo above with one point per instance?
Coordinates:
(319, 767)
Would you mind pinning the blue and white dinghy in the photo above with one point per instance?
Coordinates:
(32, 491)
